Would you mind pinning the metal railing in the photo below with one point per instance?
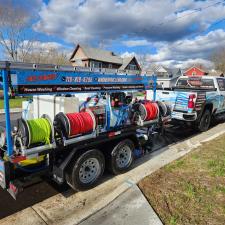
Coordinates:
(52, 67)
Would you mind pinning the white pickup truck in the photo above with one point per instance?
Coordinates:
(194, 100)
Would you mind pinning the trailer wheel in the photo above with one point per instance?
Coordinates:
(205, 121)
(121, 157)
(85, 172)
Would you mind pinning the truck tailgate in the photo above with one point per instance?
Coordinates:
(181, 103)
(166, 96)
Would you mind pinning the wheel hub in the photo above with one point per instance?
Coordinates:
(123, 157)
(89, 170)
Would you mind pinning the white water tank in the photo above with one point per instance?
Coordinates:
(51, 105)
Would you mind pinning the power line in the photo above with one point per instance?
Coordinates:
(196, 10)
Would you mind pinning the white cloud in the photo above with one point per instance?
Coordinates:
(190, 62)
(135, 43)
(185, 52)
(199, 47)
(97, 20)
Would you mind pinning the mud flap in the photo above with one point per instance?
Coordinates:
(4, 174)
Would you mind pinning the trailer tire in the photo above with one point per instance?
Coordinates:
(84, 172)
(121, 157)
(205, 121)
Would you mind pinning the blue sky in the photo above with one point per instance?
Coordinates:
(169, 32)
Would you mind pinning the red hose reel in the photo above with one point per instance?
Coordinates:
(149, 110)
(80, 123)
(72, 124)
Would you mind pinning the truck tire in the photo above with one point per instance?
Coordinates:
(84, 172)
(205, 121)
(121, 157)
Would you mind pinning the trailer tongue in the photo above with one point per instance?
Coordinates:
(75, 147)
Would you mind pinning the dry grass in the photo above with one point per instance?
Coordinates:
(190, 190)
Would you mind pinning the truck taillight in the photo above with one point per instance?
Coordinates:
(191, 102)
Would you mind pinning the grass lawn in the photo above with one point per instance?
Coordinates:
(190, 190)
(14, 103)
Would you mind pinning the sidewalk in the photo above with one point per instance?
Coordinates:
(130, 208)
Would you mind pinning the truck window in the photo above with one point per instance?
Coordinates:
(197, 82)
(207, 83)
(221, 84)
(182, 82)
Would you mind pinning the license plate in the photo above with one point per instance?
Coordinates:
(177, 115)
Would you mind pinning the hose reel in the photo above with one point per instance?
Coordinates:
(35, 131)
(145, 110)
(73, 124)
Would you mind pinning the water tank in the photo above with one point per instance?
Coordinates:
(51, 105)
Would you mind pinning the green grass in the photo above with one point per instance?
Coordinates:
(190, 190)
(13, 103)
(175, 165)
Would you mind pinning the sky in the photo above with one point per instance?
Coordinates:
(169, 32)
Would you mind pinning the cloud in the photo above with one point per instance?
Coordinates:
(96, 20)
(201, 46)
(185, 52)
(135, 43)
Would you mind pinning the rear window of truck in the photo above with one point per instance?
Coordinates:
(195, 83)
(221, 84)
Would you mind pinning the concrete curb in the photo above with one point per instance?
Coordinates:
(15, 110)
(78, 207)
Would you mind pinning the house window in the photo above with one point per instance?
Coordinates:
(95, 64)
(132, 67)
(161, 74)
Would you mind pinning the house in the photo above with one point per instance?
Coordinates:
(166, 77)
(86, 56)
(165, 72)
(194, 71)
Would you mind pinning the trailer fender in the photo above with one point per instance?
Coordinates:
(59, 171)
(5, 171)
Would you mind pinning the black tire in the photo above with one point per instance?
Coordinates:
(82, 173)
(205, 121)
(115, 163)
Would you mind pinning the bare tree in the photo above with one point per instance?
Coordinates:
(14, 22)
(49, 55)
(19, 42)
(219, 59)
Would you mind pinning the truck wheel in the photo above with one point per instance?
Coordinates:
(85, 172)
(121, 157)
(205, 121)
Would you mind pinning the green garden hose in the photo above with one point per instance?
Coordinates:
(40, 131)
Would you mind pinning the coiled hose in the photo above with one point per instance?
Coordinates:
(40, 131)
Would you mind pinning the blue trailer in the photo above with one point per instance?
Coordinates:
(71, 152)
